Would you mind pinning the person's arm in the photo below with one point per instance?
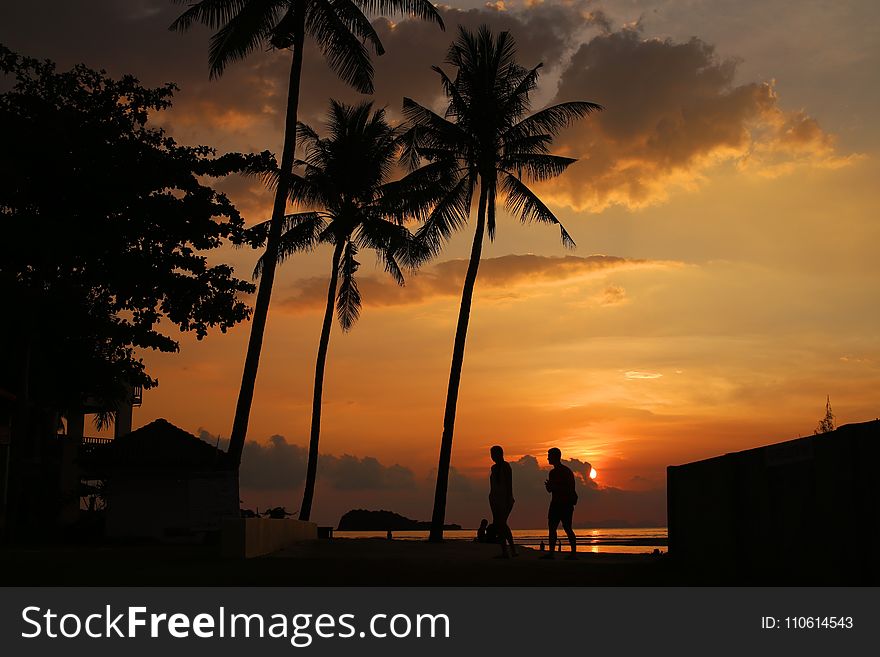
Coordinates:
(571, 486)
(550, 484)
(508, 484)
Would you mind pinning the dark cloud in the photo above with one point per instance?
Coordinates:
(274, 472)
(673, 108)
(672, 112)
(279, 465)
(596, 504)
(446, 279)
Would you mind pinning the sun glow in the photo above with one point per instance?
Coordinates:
(593, 473)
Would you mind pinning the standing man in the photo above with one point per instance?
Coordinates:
(560, 485)
(501, 499)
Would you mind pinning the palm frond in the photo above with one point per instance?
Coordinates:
(431, 136)
(457, 102)
(285, 31)
(414, 195)
(518, 98)
(348, 297)
(522, 202)
(552, 119)
(394, 245)
(344, 52)
(212, 13)
(306, 136)
(354, 19)
(527, 145)
(491, 188)
(419, 8)
(248, 30)
(306, 191)
(300, 232)
(450, 214)
(538, 166)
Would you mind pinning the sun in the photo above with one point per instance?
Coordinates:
(593, 473)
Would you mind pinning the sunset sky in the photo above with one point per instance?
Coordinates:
(725, 208)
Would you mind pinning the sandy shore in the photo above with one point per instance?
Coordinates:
(373, 561)
(337, 562)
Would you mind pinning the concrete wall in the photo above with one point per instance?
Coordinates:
(254, 537)
(806, 510)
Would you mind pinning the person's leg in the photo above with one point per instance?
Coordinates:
(509, 536)
(552, 524)
(510, 540)
(503, 531)
(499, 519)
(566, 525)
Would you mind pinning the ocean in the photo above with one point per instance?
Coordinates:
(620, 541)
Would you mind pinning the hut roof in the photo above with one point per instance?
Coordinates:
(160, 444)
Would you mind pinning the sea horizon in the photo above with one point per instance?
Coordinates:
(617, 540)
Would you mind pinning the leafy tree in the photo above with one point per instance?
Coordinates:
(341, 30)
(353, 206)
(826, 424)
(486, 139)
(105, 222)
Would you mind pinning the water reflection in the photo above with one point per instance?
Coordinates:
(614, 540)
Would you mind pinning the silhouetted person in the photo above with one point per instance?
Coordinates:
(481, 531)
(501, 498)
(560, 485)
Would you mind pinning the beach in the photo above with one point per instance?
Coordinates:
(336, 562)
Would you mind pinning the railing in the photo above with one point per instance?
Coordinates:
(95, 440)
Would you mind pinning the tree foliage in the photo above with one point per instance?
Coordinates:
(486, 137)
(342, 187)
(105, 223)
(826, 424)
(339, 27)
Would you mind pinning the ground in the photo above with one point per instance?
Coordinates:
(337, 562)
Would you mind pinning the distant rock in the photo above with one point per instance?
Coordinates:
(361, 520)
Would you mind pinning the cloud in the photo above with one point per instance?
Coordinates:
(642, 375)
(445, 279)
(613, 295)
(274, 472)
(279, 465)
(672, 113)
(412, 47)
(596, 504)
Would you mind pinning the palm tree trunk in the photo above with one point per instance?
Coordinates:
(264, 293)
(467, 294)
(312, 469)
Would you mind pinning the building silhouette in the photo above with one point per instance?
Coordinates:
(804, 511)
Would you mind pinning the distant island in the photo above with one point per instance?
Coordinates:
(361, 520)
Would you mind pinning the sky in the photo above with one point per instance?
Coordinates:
(725, 279)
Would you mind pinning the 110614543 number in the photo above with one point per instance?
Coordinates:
(807, 623)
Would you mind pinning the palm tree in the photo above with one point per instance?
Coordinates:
(351, 205)
(485, 139)
(341, 30)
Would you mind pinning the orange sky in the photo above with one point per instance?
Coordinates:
(731, 183)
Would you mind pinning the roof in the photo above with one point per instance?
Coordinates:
(160, 444)
(797, 447)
